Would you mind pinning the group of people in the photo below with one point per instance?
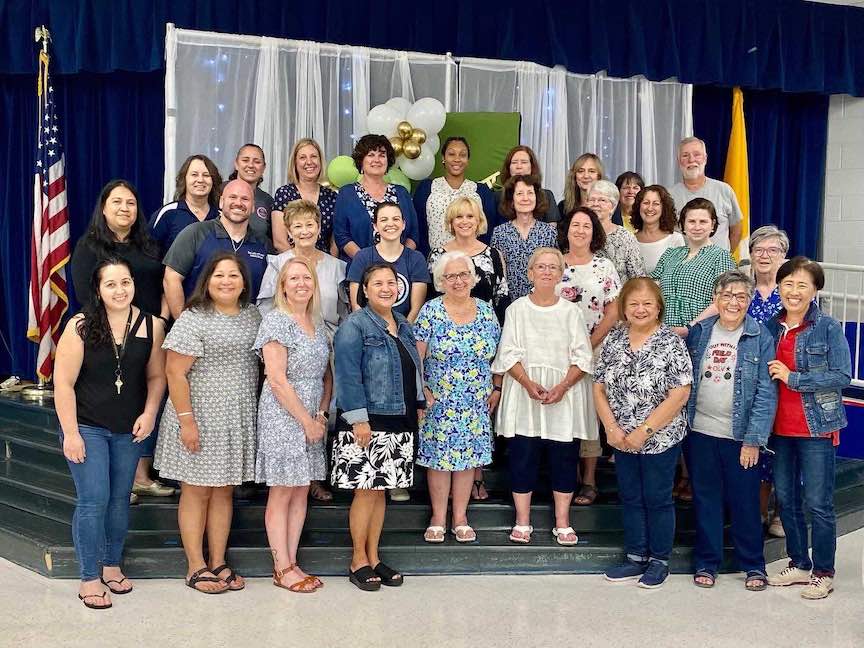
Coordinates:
(408, 330)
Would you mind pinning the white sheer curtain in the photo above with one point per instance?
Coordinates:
(223, 90)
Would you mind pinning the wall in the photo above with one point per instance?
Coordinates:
(843, 222)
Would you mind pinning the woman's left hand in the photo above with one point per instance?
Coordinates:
(421, 414)
(636, 439)
(555, 394)
(779, 371)
(492, 401)
(142, 427)
(749, 456)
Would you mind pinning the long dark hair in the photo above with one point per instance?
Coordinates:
(200, 298)
(103, 241)
(94, 328)
(598, 235)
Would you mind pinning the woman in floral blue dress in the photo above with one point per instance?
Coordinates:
(457, 336)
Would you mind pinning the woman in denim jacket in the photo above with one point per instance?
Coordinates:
(380, 401)
(730, 412)
(813, 366)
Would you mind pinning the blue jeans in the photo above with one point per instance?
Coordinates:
(645, 489)
(102, 483)
(719, 481)
(811, 460)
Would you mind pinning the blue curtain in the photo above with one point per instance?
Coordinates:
(787, 135)
(111, 126)
(791, 45)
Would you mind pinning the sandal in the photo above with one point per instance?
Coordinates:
(364, 578)
(232, 576)
(119, 582)
(468, 533)
(94, 606)
(524, 531)
(198, 577)
(685, 492)
(476, 493)
(319, 493)
(706, 575)
(561, 535)
(754, 577)
(301, 586)
(434, 534)
(586, 496)
(389, 576)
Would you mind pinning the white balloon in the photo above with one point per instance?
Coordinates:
(427, 113)
(400, 105)
(434, 143)
(382, 120)
(420, 167)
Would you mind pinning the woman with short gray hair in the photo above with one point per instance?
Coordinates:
(457, 337)
(621, 247)
(731, 413)
(769, 246)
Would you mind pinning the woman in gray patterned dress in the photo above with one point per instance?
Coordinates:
(292, 414)
(207, 435)
(621, 247)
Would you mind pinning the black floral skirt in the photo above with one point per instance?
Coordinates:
(387, 462)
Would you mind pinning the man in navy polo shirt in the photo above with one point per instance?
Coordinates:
(194, 246)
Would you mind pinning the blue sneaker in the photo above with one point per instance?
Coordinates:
(654, 576)
(625, 571)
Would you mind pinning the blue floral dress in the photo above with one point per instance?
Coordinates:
(763, 310)
(456, 433)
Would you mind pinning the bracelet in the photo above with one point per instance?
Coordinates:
(179, 414)
(496, 388)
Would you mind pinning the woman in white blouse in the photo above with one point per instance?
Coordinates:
(546, 407)
(654, 220)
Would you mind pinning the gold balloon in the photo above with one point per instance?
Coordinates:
(396, 142)
(404, 129)
(418, 135)
(411, 150)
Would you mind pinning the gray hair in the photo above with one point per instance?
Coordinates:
(734, 277)
(767, 232)
(691, 140)
(606, 188)
(444, 260)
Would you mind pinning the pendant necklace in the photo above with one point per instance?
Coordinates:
(237, 247)
(118, 355)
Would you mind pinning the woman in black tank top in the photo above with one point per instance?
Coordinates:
(109, 378)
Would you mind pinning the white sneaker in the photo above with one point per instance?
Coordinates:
(399, 495)
(775, 529)
(818, 588)
(790, 576)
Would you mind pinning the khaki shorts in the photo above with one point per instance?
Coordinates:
(590, 449)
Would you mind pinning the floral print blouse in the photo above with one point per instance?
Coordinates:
(623, 250)
(518, 250)
(592, 286)
(763, 310)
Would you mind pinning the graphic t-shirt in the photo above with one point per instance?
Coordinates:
(716, 386)
(410, 269)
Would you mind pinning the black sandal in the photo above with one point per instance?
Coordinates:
(754, 576)
(119, 582)
(93, 606)
(198, 577)
(588, 494)
(704, 574)
(232, 576)
(478, 484)
(364, 579)
(389, 576)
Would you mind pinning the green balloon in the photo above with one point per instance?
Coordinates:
(341, 171)
(397, 176)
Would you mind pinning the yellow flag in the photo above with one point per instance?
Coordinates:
(737, 173)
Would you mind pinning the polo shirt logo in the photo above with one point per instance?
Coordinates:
(255, 255)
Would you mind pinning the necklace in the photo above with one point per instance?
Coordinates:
(118, 355)
(237, 247)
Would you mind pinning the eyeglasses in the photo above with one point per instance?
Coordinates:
(741, 298)
(457, 276)
(599, 199)
(769, 251)
(544, 267)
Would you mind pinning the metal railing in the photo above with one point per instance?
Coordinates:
(843, 299)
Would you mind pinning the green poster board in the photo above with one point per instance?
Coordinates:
(490, 135)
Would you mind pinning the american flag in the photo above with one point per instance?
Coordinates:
(49, 252)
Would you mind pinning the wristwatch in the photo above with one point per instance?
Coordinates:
(649, 431)
(323, 413)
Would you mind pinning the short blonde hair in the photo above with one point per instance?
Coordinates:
(300, 209)
(292, 161)
(536, 254)
(442, 262)
(313, 308)
(463, 202)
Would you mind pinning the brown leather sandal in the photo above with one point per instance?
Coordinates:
(301, 586)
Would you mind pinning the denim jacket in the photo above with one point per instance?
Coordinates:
(755, 394)
(368, 368)
(823, 367)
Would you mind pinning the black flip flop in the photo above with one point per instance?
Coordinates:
(197, 577)
(362, 579)
(93, 606)
(704, 574)
(232, 576)
(389, 576)
(119, 582)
